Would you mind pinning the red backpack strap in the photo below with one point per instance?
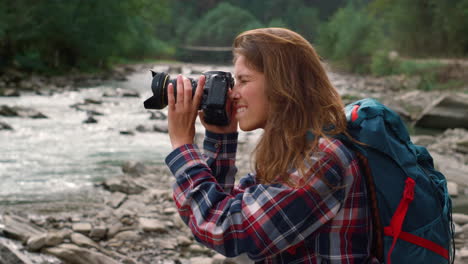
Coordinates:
(398, 217)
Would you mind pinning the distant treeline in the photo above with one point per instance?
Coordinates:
(58, 36)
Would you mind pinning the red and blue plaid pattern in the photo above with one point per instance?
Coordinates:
(325, 220)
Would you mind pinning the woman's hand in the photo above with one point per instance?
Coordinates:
(183, 111)
(231, 128)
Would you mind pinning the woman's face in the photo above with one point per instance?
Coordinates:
(249, 96)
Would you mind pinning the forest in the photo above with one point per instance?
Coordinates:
(56, 36)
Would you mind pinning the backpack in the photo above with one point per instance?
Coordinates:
(412, 212)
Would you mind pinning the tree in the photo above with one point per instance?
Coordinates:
(220, 26)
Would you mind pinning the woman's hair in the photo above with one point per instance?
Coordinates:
(301, 99)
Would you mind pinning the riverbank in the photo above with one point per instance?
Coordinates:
(131, 218)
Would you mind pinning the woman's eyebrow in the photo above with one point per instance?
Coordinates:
(239, 76)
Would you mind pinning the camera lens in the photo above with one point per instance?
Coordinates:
(159, 86)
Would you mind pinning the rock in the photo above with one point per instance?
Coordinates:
(123, 184)
(5, 126)
(10, 255)
(82, 240)
(170, 211)
(84, 228)
(198, 249)
(450, 111)
(463, 253)
(152, 225)
(461, 146)
(141, 128)
(200, 260)
(134, 168)
(161, 194)
(116, 199)
(458, 231)
(49, 239)
(16, 111)
(158, 115)
(56, 238)
(161, 128)
(93, 113)
(90, 120)
(35, 243)
(452, 188)
(127, 133)
(114, 228)
(218, 259)
(460, 219)
(423, 140)
(183, 241)
(70, 253)
(10, 93)
(169, 244)
(92, 101)
(127, 236)
(19, 228)
(98, 233)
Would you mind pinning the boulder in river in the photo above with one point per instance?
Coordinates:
(450, 111)
(17, 111)
(9, 92)
(90, 120)
(5, 126)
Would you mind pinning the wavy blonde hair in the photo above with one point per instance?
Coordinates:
(301, 99)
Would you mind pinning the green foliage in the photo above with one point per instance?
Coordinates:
(425, 27)
(350, 37)
(221, 25)
(56, 35)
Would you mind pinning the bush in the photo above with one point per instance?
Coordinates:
(350, 37)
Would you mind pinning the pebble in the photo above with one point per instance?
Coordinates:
(152, 225)
(84, 228)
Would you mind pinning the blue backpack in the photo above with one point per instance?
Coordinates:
(409, 198)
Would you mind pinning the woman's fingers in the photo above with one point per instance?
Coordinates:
(180, 90)
(187, 92)
(170, 97)
(199, 91)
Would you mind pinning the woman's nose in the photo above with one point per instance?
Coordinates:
(234, 93)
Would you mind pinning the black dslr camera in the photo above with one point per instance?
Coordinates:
(213, 102)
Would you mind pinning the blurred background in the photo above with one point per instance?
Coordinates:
(55, 36)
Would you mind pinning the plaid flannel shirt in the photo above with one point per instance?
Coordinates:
(326, 220)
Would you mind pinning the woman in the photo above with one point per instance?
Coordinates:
(306, 201)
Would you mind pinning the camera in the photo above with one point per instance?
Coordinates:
(214, 98)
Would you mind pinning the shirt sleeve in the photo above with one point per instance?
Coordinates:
(261, 221)
(220, 155)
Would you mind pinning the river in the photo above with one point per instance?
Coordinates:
(58, 157)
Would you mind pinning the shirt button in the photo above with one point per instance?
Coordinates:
(217, 145)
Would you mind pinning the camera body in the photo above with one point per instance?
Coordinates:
(213, 101)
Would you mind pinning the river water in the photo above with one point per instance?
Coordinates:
(51, 159)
